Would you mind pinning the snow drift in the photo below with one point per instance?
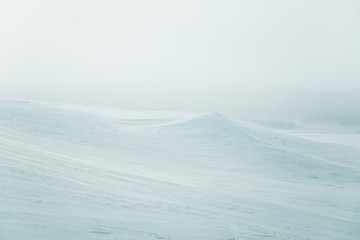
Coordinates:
(72, 172)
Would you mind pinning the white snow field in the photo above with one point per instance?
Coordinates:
(72, 172)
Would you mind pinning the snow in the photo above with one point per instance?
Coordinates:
(84, 172)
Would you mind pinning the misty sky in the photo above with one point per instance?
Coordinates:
(250, 59)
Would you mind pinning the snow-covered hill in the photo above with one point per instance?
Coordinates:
(80, 172)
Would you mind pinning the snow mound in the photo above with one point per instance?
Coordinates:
(212, 121)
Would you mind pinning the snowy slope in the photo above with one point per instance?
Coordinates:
(79, 172)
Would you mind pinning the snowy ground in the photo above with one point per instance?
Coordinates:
(80, 172)
(345, 135)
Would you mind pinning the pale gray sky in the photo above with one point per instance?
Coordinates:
(244, 58)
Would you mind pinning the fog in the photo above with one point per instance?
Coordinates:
(296, 60)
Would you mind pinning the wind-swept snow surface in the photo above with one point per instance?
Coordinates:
(70, 172)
